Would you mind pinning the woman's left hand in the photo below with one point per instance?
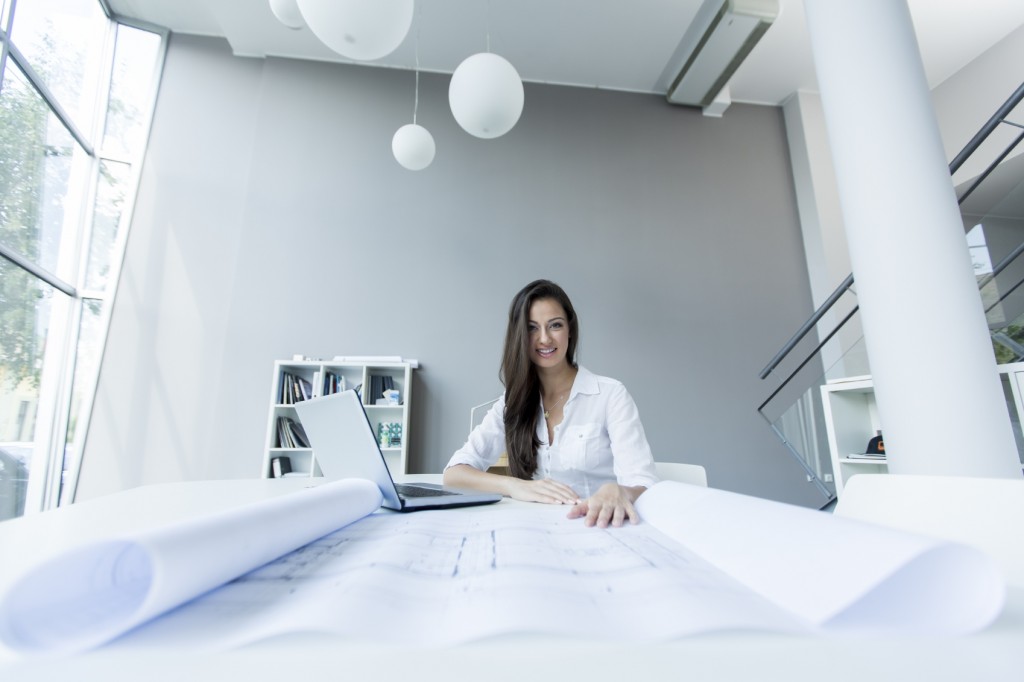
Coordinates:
(612, 503)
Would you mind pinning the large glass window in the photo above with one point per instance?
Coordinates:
(111, 191)
(67, 179)
(63, 40)
(127, 118)
(36, 156)
(87, 361)
(27, 306)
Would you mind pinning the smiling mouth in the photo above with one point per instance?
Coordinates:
(546, 352)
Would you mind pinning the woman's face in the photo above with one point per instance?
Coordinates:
(549, 333)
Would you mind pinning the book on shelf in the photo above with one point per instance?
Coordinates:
(334, 383)
(867, 456)
(290, 434)
(702, 561)
(294, 389)
(378, 384)
(284, 389)
(280, 466)
(299, 434)
(283, 435)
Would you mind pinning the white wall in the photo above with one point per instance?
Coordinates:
(821, 220)
(968, 98)
(272, 220)
(821, 223)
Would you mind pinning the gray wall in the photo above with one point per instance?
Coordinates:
(272, 220)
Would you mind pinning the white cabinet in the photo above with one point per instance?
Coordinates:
(851, 420)
(296, 380)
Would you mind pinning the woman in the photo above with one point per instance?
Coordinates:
(572, 437)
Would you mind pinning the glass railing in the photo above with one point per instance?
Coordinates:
(832, 351)
(993, 216)
(1005, 317)
(994, 212)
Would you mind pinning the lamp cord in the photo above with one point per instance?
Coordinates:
(416, 99)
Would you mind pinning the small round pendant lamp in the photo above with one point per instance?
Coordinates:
(359, 29)
(486, 95)
(287, 12)
(413, 147)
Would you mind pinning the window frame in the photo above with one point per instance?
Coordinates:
(52, 481)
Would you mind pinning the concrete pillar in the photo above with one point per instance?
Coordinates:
(821, 226)
(940, 402)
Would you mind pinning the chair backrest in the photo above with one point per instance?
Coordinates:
(981, 512)
(693, 474)
(476, 413)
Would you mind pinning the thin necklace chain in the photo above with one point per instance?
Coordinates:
(547, 412)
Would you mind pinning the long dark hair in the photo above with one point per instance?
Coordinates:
(518, 373)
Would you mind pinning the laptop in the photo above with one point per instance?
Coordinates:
(345, 447)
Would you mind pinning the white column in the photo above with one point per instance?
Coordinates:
(821, 226)
(939, 398)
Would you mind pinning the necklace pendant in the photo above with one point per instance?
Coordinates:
(546, 414)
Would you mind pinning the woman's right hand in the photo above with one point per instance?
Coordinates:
(542, 490)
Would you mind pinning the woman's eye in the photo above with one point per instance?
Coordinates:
(556, 325)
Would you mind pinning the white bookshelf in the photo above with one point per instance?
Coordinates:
(851, 420)
(354, 372)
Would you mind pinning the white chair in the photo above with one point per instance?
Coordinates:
(476, 415)
(981, 512)
(693, 474)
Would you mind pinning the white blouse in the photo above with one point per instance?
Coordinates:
(600, 439)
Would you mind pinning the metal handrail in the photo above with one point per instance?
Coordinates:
(808, 358)
(991, 167)
(808, 325)
(954, 166)
(987, 129)
(1010, 257)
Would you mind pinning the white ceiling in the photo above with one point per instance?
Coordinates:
(612, 44)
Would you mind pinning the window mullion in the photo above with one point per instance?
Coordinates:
(42, 273)
(36, 82)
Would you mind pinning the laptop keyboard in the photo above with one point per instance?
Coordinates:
(418, 491)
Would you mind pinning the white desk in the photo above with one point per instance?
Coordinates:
(994, 654)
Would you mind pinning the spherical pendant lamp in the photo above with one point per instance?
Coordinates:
(359, 29)
(486, 95)
(287, 12)
(413, 147)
